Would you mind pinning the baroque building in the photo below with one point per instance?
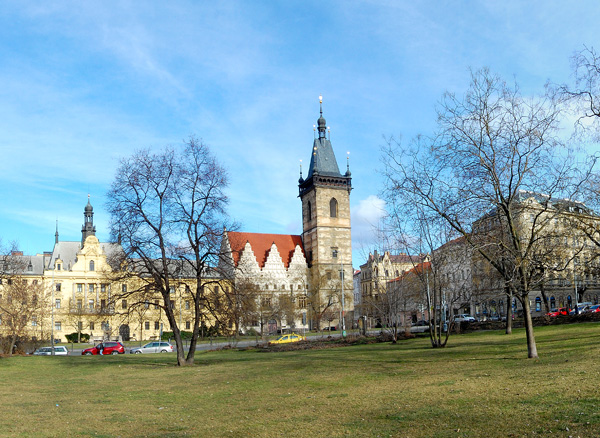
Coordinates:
(75, 293)
(302, 280)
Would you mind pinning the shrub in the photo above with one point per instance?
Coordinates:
(73, 337)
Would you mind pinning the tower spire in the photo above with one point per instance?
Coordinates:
(56, 234)
(88, 228)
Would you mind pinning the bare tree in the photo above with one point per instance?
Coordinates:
(23, 301)
(167, 210)
(493, 146)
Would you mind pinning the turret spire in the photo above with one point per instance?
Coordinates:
(88, 228)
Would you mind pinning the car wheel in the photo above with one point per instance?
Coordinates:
(87, 353)
(138, 352)
(163, 351)
(115, 352)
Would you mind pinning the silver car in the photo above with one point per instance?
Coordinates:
(47, 351)
(153, 347)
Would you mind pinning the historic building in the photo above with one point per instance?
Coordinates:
(75, 293)
(310, 274)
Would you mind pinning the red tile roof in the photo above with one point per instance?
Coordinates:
(261, 245)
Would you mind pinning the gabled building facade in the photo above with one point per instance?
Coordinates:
(314, 269)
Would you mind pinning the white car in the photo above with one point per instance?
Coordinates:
(154, 347)
(464, 317)
(47, 351)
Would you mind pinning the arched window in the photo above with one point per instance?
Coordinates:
(538, 304)
(552, 302)
(309, 210)
(569, 301)
(333, 208)
(92, 266)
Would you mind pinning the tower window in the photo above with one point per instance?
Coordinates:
(333, 208)
(309, 210)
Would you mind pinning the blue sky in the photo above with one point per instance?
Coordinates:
(86, 83)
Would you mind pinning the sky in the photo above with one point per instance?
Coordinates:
(85, 84)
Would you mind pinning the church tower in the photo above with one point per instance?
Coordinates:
(88, 228)
(325, 196)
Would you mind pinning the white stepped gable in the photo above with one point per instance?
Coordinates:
(298, 260)
(274, 267)
(248, 266)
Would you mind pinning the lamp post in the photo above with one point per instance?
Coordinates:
(343, 311)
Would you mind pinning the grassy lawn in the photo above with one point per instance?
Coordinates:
(481, 385)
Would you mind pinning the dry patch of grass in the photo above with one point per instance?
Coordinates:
(481, 385)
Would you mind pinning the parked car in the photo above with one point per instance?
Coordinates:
(47, 351)
(106, 348)
(595, 308)
(581, 308)
(464, 317)
(563, 311)
(285, 339)
(421, 323)
(153, 347)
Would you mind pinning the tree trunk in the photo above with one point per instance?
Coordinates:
(531, 347)
(544, 297)
(509, 312)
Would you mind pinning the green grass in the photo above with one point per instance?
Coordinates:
(481, 385)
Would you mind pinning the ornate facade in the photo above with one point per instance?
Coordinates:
(311, 272)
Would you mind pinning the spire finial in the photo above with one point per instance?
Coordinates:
(348, 164)
(321, 103)
(321, 123)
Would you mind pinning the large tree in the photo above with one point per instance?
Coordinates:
(24, 302)
(168, 211)
(494, 151)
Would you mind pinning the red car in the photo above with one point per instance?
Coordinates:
(595, 308)
(106, 348)
(563, 311)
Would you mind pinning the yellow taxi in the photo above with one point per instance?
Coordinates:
(291, 337)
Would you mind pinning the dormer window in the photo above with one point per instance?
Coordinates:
(92, 265)
(58, 266)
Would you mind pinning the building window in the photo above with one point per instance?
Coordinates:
(92, 265)
(328, 275)
(552, 302)
(58, 266)
(102, 288)
(124, 288)
(91, 288)
(91, 326)
(79, 304)
(171, 290)
(333, 208)
(334, 253)
(79, 325)
(91, 304)
(57, 303)
(34, 321)
(9, 281)
(146, 304)
(79, 287)
(57, 326)
(156, 304)
(309, 210)
(187, 305)
(102, 304)
(187, 325)
(147, 325)
(35, 282)
(57, 287)
(124, 304)
(156, 325)
(538, 304)
(302, 302)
